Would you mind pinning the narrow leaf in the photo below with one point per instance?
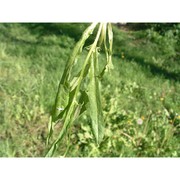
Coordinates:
(110, 38)
(95, 109)
(64, 87)
(70, 111)
(75, 104)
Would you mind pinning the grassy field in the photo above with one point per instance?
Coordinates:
(140, 97)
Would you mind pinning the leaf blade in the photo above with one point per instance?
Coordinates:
(95, 108)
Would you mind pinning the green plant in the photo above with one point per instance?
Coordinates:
(167, 41)
(31, 62)
(78, 92)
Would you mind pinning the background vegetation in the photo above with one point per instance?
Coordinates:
(140, 98)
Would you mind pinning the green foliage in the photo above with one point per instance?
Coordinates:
(67, 97)
(95, 109)
(143, 85)
(125, 138)
(166, 42)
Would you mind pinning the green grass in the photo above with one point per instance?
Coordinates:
(144, 84)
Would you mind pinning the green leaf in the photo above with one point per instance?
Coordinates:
(103, 34)
(70, 112)
(110, 37)
(74, 99)
(62, 96)
(64, 87)
(95, 109)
